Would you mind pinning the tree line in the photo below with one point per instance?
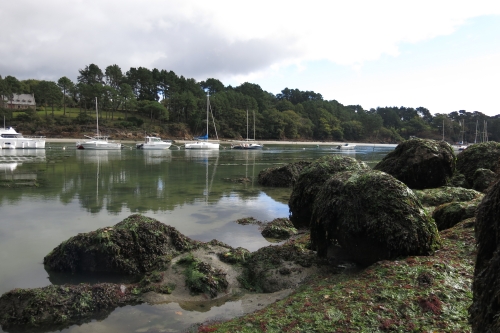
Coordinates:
(175, 105)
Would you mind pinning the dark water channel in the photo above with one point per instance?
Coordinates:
(200, 193)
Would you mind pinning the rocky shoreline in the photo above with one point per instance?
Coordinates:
(389, 249)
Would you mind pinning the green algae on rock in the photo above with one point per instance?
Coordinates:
(445, 194)
(449, 214)
(372, 216)
(57, 307)
(136, 245)
(420, 163)
(311, 179)
(485, 310)
(482, 179)
(280, 228)
(478, 156)
(282, 176)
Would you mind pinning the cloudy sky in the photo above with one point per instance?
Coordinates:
(442, 55)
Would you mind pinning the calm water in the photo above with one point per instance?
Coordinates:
(198, 192)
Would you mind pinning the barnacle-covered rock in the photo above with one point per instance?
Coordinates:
(420, 163)
(282, 176)
(482, 179)
(136, 245)
(311, 179)
(478, 156)
(373, 217)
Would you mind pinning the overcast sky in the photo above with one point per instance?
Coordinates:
(439, 54)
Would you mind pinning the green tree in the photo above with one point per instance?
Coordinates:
(65, 85)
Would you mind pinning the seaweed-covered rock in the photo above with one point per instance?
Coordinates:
(136, 245)
(373, 217)
(282, 176)
(478, 156)
(445, 194)
(420, 163)
(280, 228)
(482, 179)
(57, 307)
(311, 179)
(485, 309)
(449, 214)
(275, 268)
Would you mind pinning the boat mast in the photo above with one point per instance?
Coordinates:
(208, 103)
(97, 116)
(247, 124)
(254, 124)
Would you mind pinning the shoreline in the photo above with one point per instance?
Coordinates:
(222, 142)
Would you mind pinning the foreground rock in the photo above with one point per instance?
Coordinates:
(372, 216)
(420, 163)
(310, 181)
(134, 246)
(478, 156)
(445, 194)
(282, 176)
(57, 307)
(485, 310)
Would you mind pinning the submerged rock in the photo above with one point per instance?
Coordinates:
(484, 311)
(136, 245)
(420, 163)
(282, 176)
(310, 181)
(373, 217)
(478, 156)
(280, 228)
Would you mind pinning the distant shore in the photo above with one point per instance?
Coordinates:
(223, 142)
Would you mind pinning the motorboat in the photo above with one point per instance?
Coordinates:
(346, 146)
(10, 139)
(202, 141)
(98, 142)
(153, 143)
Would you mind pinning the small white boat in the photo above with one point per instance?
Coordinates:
(153, 143)
(248, 143)
(10, 139)
(202, 142)
(98, 142)
(346, 146)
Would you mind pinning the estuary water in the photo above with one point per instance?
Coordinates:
(200, 193)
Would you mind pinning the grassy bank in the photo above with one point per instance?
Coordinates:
(414, 294)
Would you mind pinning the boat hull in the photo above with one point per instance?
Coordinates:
(92, 145)
(202, 145)
(155, 146)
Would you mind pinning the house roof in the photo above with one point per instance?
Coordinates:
(21, 99)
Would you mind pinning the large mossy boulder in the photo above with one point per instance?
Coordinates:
(372, 216)
(136, 245)
(420, 163)
(485, 308)
(282, 176)
(311, 179)
(478, 156)
(450, 214)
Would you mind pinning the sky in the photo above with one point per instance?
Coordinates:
(442, 55)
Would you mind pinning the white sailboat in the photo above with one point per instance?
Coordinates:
(202, 142)
(248, 143)
(98, 142)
